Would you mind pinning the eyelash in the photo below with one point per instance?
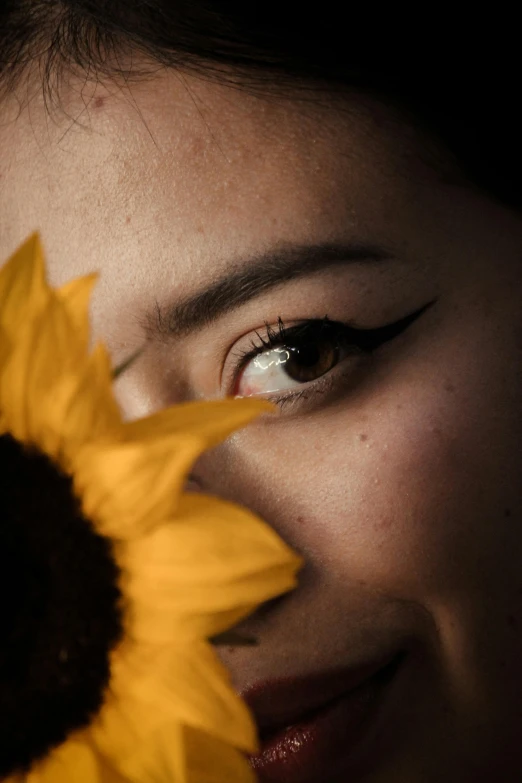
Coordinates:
(353, 340)
(284, 335)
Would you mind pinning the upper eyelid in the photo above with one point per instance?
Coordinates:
(286, 333)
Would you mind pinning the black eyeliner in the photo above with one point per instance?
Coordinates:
(365, 340)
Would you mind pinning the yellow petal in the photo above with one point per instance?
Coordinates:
(82, 409)
(44, 349)
(144, 746)
(14, 387)
(77, 408)
(211, 421)
(212, 761)
(52, 392)
(76, 761)
(23, 288)
(76, 295)
(186, 683)
(127, 489)
(6, 346)
(212, 566)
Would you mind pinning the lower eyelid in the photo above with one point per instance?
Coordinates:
(321, 386)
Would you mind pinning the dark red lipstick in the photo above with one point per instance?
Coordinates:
(316, 728)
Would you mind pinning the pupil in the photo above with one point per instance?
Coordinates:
(307, 355)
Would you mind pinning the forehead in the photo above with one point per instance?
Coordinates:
(225, 165)
(194, 146)
(162, 184)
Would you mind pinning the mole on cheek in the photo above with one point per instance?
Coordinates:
(99, 102)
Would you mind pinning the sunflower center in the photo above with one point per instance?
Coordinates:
(60, 609)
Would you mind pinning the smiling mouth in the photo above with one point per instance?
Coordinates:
(327, 740)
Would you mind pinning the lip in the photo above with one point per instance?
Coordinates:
(317, 728)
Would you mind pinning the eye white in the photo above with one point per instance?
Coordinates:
(265, 373)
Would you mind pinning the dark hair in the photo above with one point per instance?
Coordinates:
(461, 88)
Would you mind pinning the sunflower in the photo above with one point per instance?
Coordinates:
(114, 579)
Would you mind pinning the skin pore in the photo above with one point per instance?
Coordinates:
(397, 473)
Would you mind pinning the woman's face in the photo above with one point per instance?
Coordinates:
(254, 245)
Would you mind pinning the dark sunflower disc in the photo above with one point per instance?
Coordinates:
(60, 609)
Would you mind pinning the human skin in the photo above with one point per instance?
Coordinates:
(399, 484)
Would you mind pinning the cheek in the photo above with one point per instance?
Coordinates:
(384, 510)
(417, 509)
(408, 499)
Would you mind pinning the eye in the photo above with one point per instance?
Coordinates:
(286, 360)
(290, 358)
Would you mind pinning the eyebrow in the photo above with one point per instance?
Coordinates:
(252, 278)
